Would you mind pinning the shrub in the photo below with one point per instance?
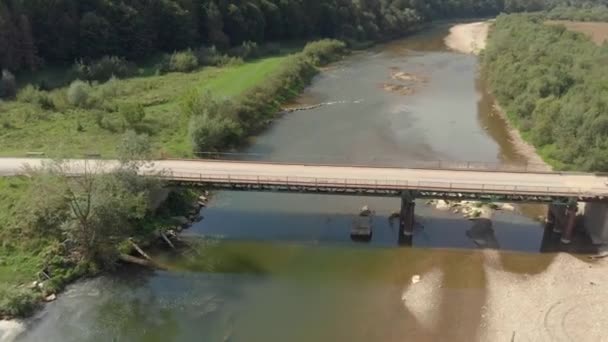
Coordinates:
(109, 89)
(17, 302)
(8, 85)
(212, 133)
(133, 147)
(183, 61)
(60, 99)
(132, 113)
(32, 94)
(208, 56)
(79, 93)
(213, 124)
(246, 51)
(324, 51)
(104, 68)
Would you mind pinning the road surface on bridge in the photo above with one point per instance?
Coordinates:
(252, 172)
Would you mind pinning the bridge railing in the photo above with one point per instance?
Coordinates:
(383, 184)
(379, 162)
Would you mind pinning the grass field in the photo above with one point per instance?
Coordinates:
(73, 132)
(598, 32)
(17, 265)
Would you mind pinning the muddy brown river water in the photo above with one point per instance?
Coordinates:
(282, 267)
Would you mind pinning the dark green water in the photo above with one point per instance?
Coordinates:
(283, 268)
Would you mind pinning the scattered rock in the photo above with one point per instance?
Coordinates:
(33, 285)
(442, 205)
(456, 211)
(395, 215)
(50, 297)
(415, 279)
(365, 211)
(404, 76)
(507, 207)
(203, 199)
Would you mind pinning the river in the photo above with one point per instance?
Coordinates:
(282, 267)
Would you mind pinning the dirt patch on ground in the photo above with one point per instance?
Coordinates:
(598, 32)
(468, 38)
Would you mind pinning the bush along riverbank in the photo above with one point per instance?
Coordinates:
(550, 82)
(56, 229)
(217, 124)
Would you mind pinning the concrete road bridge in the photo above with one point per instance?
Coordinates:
(473, 182)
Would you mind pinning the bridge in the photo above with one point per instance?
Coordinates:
(470, 183)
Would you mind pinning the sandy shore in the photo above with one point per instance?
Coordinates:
(468, 38)
(9, 330)
(565, 300)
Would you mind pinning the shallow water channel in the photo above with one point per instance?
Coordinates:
(282, 267)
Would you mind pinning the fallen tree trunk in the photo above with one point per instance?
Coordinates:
(167, 240)
(139, 250)
(140, 262)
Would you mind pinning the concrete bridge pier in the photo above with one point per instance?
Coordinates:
(406, 217)
(571, 213)
(596, 222)
(562, 219)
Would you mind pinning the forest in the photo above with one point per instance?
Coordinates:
(552, 84)
(34, 33)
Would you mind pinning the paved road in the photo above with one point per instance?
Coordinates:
(588, 184)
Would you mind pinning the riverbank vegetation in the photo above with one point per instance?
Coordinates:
(550, 81)
(87, 117)
(55, 228)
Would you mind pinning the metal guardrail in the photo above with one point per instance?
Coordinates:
(378, 162)
(336, 160)
(383, 184)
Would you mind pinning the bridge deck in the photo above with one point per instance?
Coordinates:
(370, 180)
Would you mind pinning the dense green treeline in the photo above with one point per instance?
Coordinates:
(586, 13)
(34, 32)
(553, 83)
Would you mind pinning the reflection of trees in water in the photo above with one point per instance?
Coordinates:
(169, 308)
(136, 319)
